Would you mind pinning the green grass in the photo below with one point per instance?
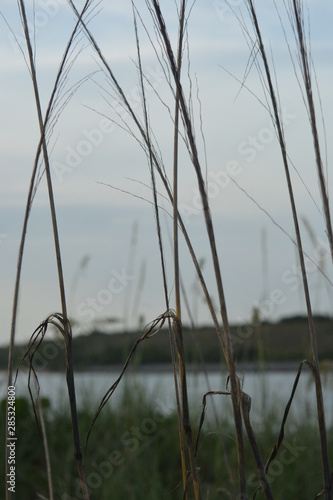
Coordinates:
(133, 453)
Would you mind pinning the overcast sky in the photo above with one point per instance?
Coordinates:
(108, 237)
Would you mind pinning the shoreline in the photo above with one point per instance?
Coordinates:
(155, 368)
(278, 366)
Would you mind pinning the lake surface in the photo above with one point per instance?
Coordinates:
(269, 393)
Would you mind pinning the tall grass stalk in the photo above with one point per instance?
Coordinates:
(42, 147)
(227, 345)
(246, 408)
(178, 330)
(313, 340)
(183, 410)
(63, 326)
(203, 366)
(46, 446)
(160, 244)
(297, 20)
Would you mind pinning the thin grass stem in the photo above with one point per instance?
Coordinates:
(313, 341)
(180, 408)
(227, 346)
(42, 147)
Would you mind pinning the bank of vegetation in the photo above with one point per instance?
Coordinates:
(261, 345)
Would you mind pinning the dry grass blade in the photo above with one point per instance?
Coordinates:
(150, 331)
(32, 188)
(160, 243)
(183, 413)
(246, 408)
(284, 420)
(226, 345)
(194, 333)
(313, 340)
(306, 73)
(286, 412)
(44, 148)
(203, 413)
(62, 324)
(177, 331)
(279, 441)
(46, 448)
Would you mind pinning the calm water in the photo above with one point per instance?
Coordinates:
(269, 393)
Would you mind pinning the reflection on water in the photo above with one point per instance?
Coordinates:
(269, 392)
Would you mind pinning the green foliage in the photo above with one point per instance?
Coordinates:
(133, 452)
(283, 341)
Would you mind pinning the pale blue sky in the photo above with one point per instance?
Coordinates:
(97, 221)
